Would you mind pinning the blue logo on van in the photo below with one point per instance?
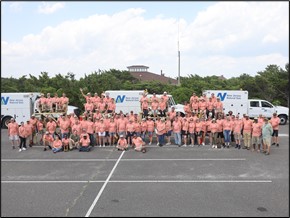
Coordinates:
(120, 99)
(222, 97)
(4, 100)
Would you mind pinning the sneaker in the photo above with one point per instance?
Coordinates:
(100, 145)
(143, 150)
(20, 150)
(104, 145)
(23, 149)
(212, 146)
(168, 143)
(150, 143)
(13, 147)
(267, 153)
(277, 145)
(158, 144)
(44, 149)
(49, 147)
(273, 143)
(184, 145)
(203, 144)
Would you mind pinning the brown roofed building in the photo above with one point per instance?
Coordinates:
(141, 73)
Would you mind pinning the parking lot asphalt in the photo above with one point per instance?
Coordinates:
(164, 181)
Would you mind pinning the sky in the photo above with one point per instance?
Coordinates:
(213, 37)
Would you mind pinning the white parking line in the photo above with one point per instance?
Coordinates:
(103, 187)
(142, 181)
(92, 160)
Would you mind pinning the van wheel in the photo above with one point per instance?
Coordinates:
(283, 119)
(5, 122)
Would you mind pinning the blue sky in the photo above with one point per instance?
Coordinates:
(216, 38)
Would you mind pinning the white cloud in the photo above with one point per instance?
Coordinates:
(210, 45)
(49, 8)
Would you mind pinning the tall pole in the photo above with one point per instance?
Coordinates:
(178, 79)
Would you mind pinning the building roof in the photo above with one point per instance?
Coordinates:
(137, 66)
(148, 76)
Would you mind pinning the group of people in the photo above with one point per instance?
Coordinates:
(95, 127)
(52, 104)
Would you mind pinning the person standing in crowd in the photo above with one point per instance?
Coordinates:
(210, 108)
(247, 130)
(122, 143)
(214, 132)
(176, 126)
(51, 126)
(267, 131)
(150, 129)
(237, 129)
(143, 128)
(112, 131)
(13, 133)
(275, 121)
(191, 131)
(162, 107)
(227, 129)
(256, 135)
(130, 129)
(168, 129)
(40, 131)
(29, 131)
(218, 107)
(138, 143)
(22, 136)
(33, 122)
(184, 131)
(161, 130)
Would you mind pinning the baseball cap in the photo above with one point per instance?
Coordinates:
(121, 136)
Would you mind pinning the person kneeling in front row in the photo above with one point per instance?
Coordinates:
(138, 143)
(85, 143)
(122, 143)
(56, 145)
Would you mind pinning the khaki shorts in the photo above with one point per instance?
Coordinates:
(267, 141)
(237, 136)
(256, 140)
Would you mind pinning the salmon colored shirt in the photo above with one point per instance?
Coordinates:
(130, 127)
(154, 105)
(214, 127)
(210, 105)
(63, 100)
(202, 105)
(238, 124)
(90, 127)
(85, 142)
(65, 141)
(176, 126)
(154, 98)
(121, 125)
(145, 105)
(172, 114)
(194, 105)
(96, 126)
(122, 142)
(193, 97)
(220, 125)
(185, 126)
(112, 127)
(51, 127)
(89, 106)
(33, 122)
(257, 129)
(198, 126)
(137, 142)
(47, 138)
(64, 126)
(77, 127)
(40, 126)
(150, 125)
(102, 127)
(102, 106)
(218, 105)
(97, 115)
(168, 125)
(137, 127)
(111, 106)
(247, 126)
(13, 128)
(191, 127)
(203, 126)
(162, 105)
(227, 125)
(275, 123)
(22, 132)
(143, 126)
(57, 144)
(161, 128)
(208, 125)
(28, 128)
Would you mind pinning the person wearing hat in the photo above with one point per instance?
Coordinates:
(275, 121)
(267, 131)
(13, 133)
(122, 143)
(247, 130)
(256, 135)
(87, 96)
(138, 143)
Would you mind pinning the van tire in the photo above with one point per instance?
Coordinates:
(283, 119)
(5, 122)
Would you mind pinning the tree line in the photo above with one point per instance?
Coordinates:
(272, 84)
